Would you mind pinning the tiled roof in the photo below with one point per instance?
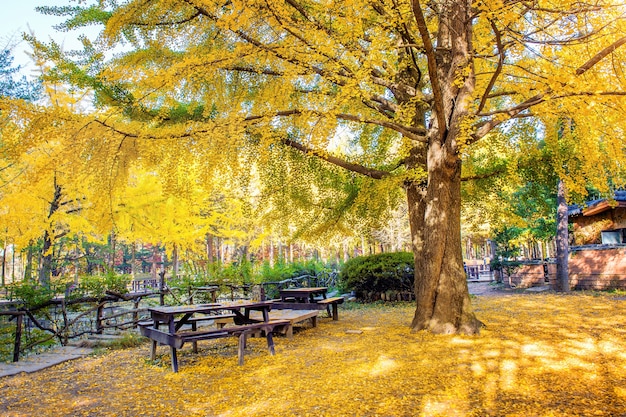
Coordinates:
(597, 205)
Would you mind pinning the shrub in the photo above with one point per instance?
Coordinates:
(283, 270)
(370, 276)
(32, 295)
(97, 285)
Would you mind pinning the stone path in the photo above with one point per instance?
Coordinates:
(37, 362)
(482, 288)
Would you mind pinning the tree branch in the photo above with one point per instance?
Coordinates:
(432, 67)
(600, 55)
(359, 169)
(498, 70)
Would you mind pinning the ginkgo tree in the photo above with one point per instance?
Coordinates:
(415, 83)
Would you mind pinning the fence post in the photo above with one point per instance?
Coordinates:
(18, 337)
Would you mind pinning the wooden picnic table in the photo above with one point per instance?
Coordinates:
(309, 298)
(303, 294)
(175, 317)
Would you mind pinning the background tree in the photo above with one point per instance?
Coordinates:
(413, 83)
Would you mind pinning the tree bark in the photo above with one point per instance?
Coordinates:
(45, 268)
(562, 240)
(443, 302)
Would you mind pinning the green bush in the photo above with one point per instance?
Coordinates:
(97, 285)
(376, 274)
(284, 270)
(31, 294)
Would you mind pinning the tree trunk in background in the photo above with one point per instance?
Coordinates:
(154, 271)
(4, 263)
(562, 240)
(28, 269)
(133, 254)
(113, 246)
(45, 267)
(209, 248)
(175, 261)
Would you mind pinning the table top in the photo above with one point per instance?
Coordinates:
(201, 308)
(304, 290)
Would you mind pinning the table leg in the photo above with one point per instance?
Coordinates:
(194, 344)
(270, 342)
(154, 343)
(174, 359)
(153, 350)
(241, 347)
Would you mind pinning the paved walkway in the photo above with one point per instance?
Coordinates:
(482, 288)
(33, 363)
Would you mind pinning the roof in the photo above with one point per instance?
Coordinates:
(599, 205)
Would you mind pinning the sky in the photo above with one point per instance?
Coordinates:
(19, 16)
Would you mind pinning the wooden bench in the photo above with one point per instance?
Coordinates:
(177, 340)
(293, 316)
(331, 302)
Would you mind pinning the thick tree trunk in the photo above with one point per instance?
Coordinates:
(443, 302)
(562, 240)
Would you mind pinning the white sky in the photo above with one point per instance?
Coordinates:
(19, 16)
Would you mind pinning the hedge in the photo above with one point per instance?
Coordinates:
(386, 276)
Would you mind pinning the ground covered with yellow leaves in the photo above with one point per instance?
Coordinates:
(540, 355)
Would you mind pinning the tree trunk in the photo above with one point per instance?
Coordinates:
(28, 270)
(133, 261)
(562, 240)
(175, 261)
(45, 267)
(4, 263)
(209, 248)
(441, 292)
(443, 302)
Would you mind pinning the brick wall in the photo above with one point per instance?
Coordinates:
(597, 268)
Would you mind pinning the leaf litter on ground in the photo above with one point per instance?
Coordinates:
(540, 355)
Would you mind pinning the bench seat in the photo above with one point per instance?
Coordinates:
(293, 316)
(332, 302)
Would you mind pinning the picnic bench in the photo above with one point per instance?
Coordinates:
(294, 317)
(174, 318)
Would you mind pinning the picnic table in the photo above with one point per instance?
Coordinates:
(309, 298)
(175, 317)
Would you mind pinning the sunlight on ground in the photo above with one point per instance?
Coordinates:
(540, 355)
